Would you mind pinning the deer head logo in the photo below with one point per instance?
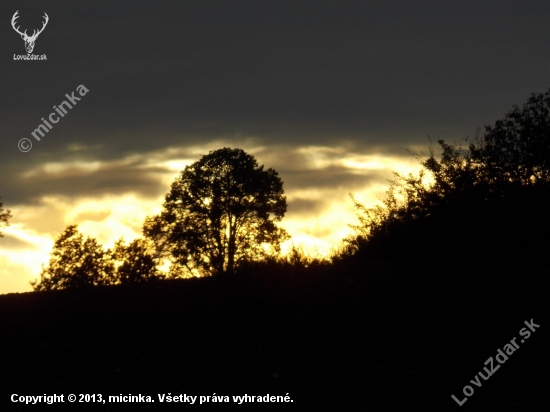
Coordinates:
(29, 40)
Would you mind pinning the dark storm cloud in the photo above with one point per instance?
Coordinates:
(380, 74)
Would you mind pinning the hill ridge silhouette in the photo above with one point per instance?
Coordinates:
(382, 333)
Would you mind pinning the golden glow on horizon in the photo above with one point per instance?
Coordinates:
(110, 217)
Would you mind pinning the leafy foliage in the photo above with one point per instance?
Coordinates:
(468, 188)
(516, 150)
(134, 263)
(4, 216)
(221, 212)
(78, 262)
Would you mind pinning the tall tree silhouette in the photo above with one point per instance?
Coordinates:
(4, 216)
(220, 212)
(76, 262)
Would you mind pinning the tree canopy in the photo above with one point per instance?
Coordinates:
(220, 212)
(516, 150)
(134, 263)
(77, 262)
(494, 186)
(4, 216)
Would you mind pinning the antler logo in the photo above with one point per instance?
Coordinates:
(29, 40)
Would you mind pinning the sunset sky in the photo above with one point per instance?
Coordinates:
(331, 94)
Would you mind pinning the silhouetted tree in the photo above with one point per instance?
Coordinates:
(517, 149)
(4, 216)
(76, 262)
(219, 213)
(134, 263)
(469, 190)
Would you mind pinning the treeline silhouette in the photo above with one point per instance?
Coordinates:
(219, 218)
(484, 197)
(488, 198)
(433, 282)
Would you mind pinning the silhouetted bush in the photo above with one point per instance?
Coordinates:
(296, 261)
(483, 202)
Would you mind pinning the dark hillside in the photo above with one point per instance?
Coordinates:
(472, 229)
(368, 335)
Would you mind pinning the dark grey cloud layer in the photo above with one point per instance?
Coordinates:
(113, 179)
(177, 73)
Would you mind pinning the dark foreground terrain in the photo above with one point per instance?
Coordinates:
(366, 337)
